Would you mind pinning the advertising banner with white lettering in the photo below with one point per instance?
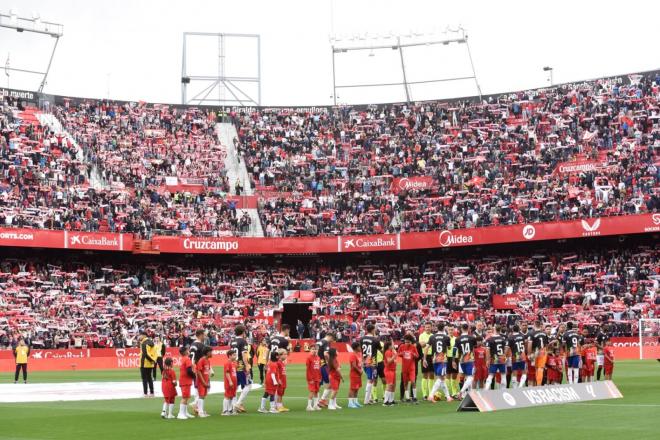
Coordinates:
(579, 166)
(626, 224)
(497, 400)
(418, 183)
(246, 245)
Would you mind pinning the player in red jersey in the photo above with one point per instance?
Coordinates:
(553, 366)
(608, 353)
(231, 383)
(334, 371)
(203, 379)
(313, 378)
(168, 384)
(480, 366)
(389, 361)
(409, 355)
(590, 353)
(270, 388)
(355, 376)
(186, 377)
(281, 388)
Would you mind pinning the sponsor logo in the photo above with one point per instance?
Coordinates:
(120, 352)
(15, 236)
(508, 398)
(59, 354)
(591, 230)
(87, 240)
(360, 243)
(551, 395)
(407, 184)
(529, 231)
(214, 245)
(655, 218)
(447, 238)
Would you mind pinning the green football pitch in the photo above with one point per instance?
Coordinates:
(636, 416)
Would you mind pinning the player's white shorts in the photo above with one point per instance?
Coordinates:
(460, 369)
(600, 360)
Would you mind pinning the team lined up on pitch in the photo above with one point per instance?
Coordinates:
(454, 360)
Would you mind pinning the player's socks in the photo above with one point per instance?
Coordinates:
(489, 381)
(382, 387)
(200, 406)
(407, 394)
(502, 382)
(316, 401)
(170, 410)
(164, 411)
(425, 387)
(414, 390)
(367, 393)
(523, 380)
(244, 392)
(325, 394)
(263, 404)
(467, 384)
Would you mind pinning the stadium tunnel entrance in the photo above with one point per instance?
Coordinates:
(293, 312)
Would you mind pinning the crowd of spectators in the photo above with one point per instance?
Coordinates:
(73, 304)
(491, 162)
(125, 166)
(46, 179)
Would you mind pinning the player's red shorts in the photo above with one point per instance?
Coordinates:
(314, 387)
(271, 390)
(170, 398)
(587, 372)
(609, 368)
(230, 392)
(281, 390)
(335, 379)
(408, 375)
(531, 371)
(202, 391)
(185, 391)
(356, 383)
(390, 377)
(480, 374)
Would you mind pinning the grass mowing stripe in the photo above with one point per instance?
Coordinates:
(634, 415)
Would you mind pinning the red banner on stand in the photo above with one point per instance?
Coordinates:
(506, 302)
(420, 183)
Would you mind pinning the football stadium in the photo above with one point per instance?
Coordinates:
(329, 219)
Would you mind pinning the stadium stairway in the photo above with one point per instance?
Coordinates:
(237, 171)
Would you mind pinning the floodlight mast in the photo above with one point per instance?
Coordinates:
(220, 82)
(36, 26)
(396, 44)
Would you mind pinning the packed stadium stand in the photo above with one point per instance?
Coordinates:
(574, 152)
